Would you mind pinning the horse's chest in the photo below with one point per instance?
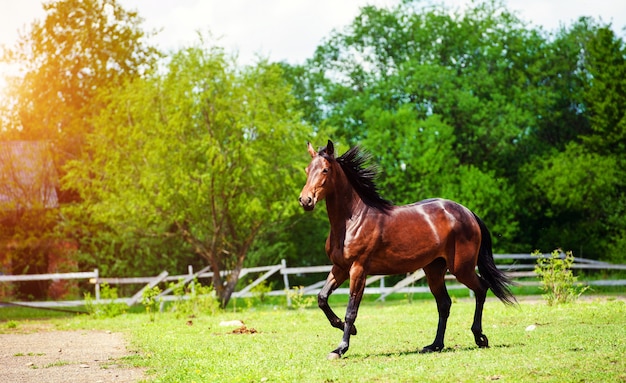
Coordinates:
(357, 239)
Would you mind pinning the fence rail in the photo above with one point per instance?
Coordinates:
(509, 263)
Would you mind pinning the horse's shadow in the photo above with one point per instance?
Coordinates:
(419, 351)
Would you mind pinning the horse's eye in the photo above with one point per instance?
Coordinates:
(325, 170)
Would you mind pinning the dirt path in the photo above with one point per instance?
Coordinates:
(65, 356)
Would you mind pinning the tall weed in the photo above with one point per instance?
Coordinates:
(107, 307)
(193, 299)
(557, 280)
(151, 301)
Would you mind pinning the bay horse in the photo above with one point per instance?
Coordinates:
(370, 236)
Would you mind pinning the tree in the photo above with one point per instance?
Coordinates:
(606, 104)
(580, 188)
(574, 192)
(440, 98)
(207, 152)
(81, 47)
(465, 67)
(605, 96)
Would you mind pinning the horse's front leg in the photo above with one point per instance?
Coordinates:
(357, 287)
(335, 278)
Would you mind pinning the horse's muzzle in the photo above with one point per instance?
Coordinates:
(307, 203)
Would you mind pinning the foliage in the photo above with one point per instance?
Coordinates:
(201, 161)
(151, 301)
(298, 300)
(260, 291)
(11, 324)
(106, 307)
(125, 253)
(193, 299)
(81, 47)
(522, 126)
(225, 137)
(557, 280)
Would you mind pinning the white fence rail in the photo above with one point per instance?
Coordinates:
(515, 265)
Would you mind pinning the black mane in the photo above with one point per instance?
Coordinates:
(361, 177)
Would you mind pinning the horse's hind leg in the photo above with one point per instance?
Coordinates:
(479, 286)
(435, 273)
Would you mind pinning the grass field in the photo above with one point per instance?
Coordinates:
(583, 341)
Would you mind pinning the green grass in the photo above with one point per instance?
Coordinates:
(581, 341)
(19, 313)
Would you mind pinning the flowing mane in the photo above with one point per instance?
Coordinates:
(361, 177)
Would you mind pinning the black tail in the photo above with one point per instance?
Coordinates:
(498, 282)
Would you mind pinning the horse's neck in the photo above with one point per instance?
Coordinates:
(343, 204)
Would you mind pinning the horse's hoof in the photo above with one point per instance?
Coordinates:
(431, 348)
(333, 356)
(353, 330)
(482, 341)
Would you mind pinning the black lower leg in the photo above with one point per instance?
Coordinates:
(477, 327)
(349, 329)
(443, 307)
(322, 302)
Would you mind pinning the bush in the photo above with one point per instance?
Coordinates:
(298, 299)
(107, 307)
(193, 299)
(151, 301)
(557, 280)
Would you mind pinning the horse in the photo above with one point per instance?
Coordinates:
(371, 236)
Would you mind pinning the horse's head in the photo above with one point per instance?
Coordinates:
(319, 174)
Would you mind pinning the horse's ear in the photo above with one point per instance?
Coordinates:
(312, 151)
(330, 148)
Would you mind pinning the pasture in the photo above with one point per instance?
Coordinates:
(581, 341)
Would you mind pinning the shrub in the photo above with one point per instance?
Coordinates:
(298, 300)
(107, 307)
(193, 299)
(151, 301)
(261, 290)
(557, 280)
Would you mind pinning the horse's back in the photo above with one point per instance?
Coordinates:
(418, 233)
(453, 210)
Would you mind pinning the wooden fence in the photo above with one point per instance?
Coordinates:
(517, 266)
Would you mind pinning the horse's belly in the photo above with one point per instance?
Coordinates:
(389, 264)
(406, 248)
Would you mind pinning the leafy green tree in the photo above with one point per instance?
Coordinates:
(574, 192)
(429, 93)
(207, 152)
(81, 46)
(580, 188)
(465, 67)
(605, 107)
(520, 124)
(605, 95)
(410, 152)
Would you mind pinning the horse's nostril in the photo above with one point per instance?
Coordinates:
(306, 202)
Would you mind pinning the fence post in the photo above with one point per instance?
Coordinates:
(190, 272)
(286, 281)
(97, 286)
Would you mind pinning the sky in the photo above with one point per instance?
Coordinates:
(287, 30)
